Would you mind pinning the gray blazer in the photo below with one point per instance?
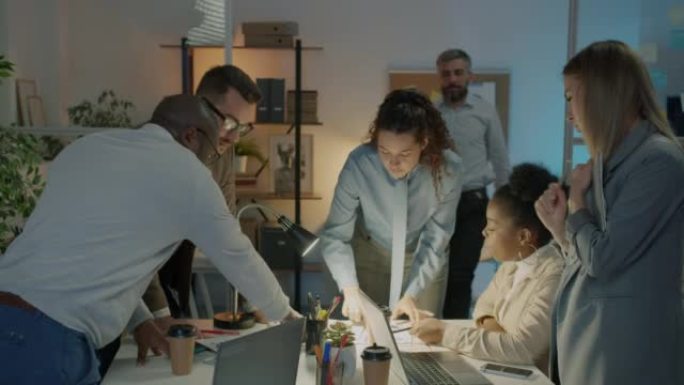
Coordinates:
(618, 315)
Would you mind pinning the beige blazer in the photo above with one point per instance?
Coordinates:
(526, 315)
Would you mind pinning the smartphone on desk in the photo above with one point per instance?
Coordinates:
(507, 371)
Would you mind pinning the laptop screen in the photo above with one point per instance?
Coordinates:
(242, 360)
(380, 332)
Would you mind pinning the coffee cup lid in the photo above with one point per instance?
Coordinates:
(376, 353)
(182, 330)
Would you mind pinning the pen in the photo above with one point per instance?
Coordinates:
(319, 354)
(335, 362)
(318, 306)
(326, 363)
(310, 301)
(335, 302)
(221, 332)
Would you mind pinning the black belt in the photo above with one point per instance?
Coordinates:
(478, 193)
(13, 300)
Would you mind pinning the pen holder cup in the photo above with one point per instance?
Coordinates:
(314, 331)
(333, 374)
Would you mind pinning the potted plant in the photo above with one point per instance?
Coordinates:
(244, 149)
(107, 111)
(343, 349)
(20, 180)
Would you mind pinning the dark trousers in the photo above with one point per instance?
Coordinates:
(106, 355)
(176, 276)
(464, 252)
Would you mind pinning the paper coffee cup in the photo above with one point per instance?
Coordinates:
(376, 365)
(181, 348)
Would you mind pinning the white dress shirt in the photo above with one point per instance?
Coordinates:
(116, 205)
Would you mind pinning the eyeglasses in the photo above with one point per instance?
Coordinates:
(230, 123)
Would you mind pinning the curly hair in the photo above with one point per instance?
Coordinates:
(525, 185)
(408, 111)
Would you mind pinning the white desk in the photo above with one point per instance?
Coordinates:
(157, 371)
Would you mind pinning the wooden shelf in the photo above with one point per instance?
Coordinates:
(310, 48)
(286, 124)
(58, 131)
(266, 195)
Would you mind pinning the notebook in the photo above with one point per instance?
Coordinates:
(423, 368)
(277, 348)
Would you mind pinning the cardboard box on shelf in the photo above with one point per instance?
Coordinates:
(281, 28)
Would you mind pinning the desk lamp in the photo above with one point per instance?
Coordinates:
(303, 242)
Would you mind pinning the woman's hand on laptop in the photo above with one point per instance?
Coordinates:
(430, 331)
(407, 305)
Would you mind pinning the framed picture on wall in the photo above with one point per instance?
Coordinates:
(25, 88)
(36, 112)
(281, 163)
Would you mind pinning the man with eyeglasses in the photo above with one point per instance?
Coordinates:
(232, 96)
(114, 209)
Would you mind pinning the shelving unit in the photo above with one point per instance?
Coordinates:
(296, 126)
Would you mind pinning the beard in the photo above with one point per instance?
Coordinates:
(206, 153)
(454, 94)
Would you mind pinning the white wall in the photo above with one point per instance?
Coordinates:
(363, 40)
(81, 47)
(609, 19)
(32, 38)
(602, 20)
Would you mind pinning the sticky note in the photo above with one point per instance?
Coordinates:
(676, 15)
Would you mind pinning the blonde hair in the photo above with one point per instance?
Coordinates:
(617, 89)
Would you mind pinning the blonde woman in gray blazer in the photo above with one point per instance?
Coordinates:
(513, 315)
(618, 314)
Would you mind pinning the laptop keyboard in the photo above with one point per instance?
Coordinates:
(422, 369)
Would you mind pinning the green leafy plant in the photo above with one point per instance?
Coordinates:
(108, 111)
(6, 68)
(20, 181)
(336, 331)
(248, 147)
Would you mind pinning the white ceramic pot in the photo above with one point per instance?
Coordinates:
(348, 357)
(241, 164)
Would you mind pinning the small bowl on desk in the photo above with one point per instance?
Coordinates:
(226, 320)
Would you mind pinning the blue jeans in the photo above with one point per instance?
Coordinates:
(35, 349)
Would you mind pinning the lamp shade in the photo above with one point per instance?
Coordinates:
(304, 241)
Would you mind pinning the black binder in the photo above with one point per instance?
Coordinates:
(271, 108)
(277, 100)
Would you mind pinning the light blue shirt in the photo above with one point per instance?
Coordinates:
(476, 129)
(364, 192)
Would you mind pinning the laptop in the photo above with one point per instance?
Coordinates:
(419, 368)
(270, 356)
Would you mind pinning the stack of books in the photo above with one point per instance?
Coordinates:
(309, 106)
(270, 34)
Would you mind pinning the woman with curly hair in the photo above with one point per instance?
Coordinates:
(393, 211)
(513, 315)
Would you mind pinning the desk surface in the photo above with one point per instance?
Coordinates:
(157, 371)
